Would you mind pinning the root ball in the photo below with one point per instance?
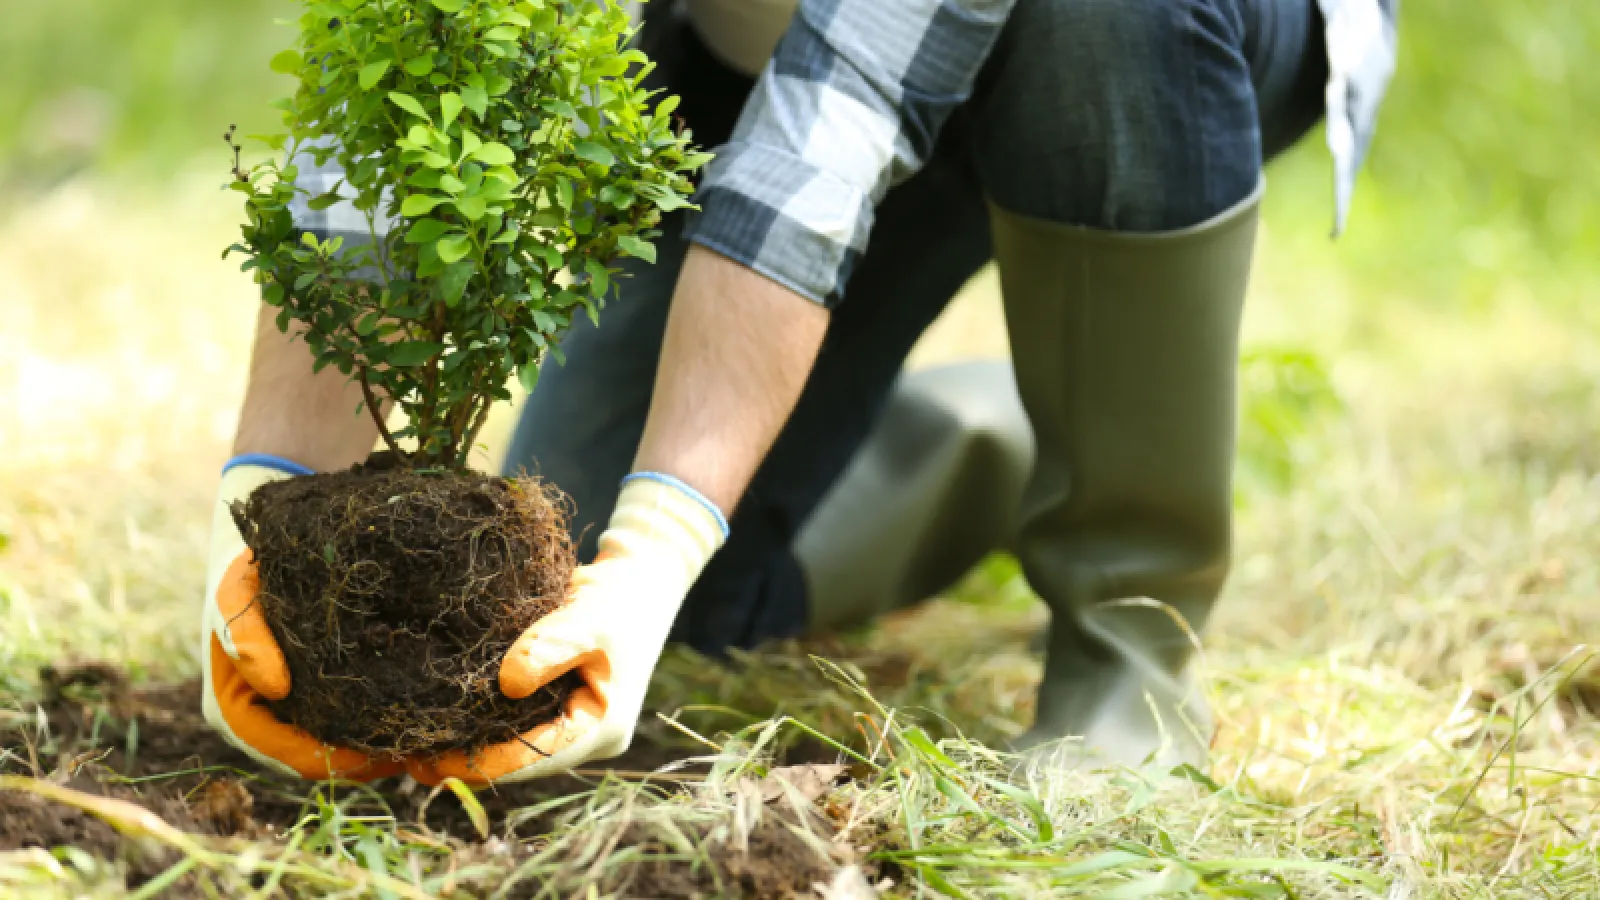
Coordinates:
(396, 594)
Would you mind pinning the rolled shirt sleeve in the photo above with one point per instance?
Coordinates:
(850, 105)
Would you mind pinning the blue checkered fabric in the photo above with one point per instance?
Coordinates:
(849, 106)
(854, 97)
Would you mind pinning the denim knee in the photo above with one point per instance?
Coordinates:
(1127, 115)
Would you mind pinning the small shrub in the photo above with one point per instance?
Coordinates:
(513, 155)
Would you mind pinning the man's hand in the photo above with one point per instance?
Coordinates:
(611, 632)
(243, 665)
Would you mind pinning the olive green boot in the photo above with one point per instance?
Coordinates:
(934, 488)
(1125, 349)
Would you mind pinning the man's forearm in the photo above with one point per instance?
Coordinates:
(290, 412)
(737, 352)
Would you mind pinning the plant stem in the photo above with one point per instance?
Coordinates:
(371, 403)
(430, 386)
(472, 433)
(377, 247)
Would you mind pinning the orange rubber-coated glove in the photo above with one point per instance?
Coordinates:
(611, 631)
(242, 663)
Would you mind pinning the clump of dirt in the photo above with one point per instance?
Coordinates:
(396, 594)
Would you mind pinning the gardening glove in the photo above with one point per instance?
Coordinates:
(243, 665)
(611, 631)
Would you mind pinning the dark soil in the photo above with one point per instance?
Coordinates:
(396, 594)
(101, 732)
(151, 746)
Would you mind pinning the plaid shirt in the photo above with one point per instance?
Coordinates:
(851, 104)
(854, 97)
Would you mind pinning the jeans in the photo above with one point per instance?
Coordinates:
(1123, 115)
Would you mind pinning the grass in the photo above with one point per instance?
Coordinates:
(1407, 705)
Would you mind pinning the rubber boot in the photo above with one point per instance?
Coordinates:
(1125, 349)
(934, 488)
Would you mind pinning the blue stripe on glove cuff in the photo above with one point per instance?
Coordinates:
(696, 496)
(267, 461)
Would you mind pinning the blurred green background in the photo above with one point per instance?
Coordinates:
(1485, 168)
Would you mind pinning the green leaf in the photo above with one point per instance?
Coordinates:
(372, 73)
(472, 206)
(271, 141)
(477, 100)
(412, 353)
(453, 283)
(502, 33)
(287, 62)
(451, 184)
(919, 739)
(495, 153)
(450, 6)
(594, 153)
(323, 201)
(665, 198)
(454, 247)
(419, 205)
(561, 108)
(599, 275)
(529, 376)
(419, 65)
(427, 179)
(450, 107)
(368, 323)
(547, 253)
(615, 196)
(409, 104)
(426, 231)
(636, 247)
